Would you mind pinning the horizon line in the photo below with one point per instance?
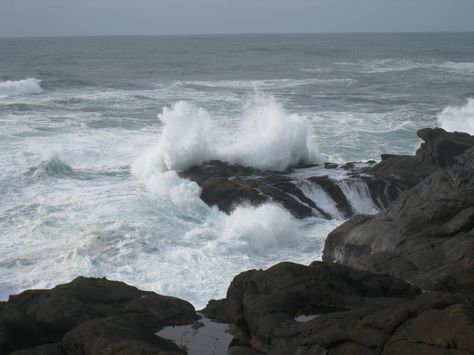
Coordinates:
(230, 34)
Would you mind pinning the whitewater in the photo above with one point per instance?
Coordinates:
(91, 150)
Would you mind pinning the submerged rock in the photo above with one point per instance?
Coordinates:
(90, 316)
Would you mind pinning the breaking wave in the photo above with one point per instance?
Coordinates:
(24, 87)
(459, 119)
(51, 165)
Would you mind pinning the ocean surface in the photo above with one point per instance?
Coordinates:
(94, 130)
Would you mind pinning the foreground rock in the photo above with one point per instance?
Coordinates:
(90, 316)
(425, 237)
(352, 312)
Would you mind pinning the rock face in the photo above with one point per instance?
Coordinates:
(426, 236)
(353, 312)
(90, 316)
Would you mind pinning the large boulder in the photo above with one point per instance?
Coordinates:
(347, 311)
(90, 316)
(426, 236)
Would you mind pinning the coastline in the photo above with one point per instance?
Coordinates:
(385, 280)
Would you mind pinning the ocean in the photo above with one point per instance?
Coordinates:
(94, 131)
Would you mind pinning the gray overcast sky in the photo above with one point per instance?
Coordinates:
(111, 17)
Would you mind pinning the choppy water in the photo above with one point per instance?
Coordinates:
(89, 188)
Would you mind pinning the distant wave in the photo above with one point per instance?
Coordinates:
(459, 119)
(388, 65)
(268, 138)
(273, 83)
(24, 87)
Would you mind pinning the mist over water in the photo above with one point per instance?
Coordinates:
(94, 132)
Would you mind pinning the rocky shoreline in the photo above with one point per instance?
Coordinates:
(397, 282)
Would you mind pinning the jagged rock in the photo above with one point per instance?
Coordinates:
(426, 236)
(90, 316)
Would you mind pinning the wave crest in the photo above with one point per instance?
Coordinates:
(24, 87)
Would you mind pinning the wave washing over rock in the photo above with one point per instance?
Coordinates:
(24, 87)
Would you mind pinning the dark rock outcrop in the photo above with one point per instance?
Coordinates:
(354, 312)
(426, 236)
(439, 150)
(225, 186)
(90, 316)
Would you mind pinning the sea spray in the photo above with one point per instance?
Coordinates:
(270, 138)
(459, 119)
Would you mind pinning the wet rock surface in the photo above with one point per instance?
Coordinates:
(90, 316)
(225, 186)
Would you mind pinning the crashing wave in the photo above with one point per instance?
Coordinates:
(24, 87)
(268, 138)
(460, 119)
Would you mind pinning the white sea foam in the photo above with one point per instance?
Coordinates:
(459, 119)
(24, 87)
